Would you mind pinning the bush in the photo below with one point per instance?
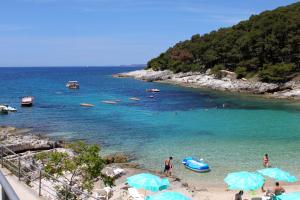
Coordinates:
(240, 72)
(277, 73)
(216, 70)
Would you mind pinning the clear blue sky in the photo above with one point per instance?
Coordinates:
(109, 32)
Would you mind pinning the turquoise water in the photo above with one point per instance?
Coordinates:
(231, 132)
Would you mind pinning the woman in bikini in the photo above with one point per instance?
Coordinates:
(266, 161)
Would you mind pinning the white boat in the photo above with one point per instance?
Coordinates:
(72, 85)
(27, 101)
(9, 108)
(153, 90)
(3, 109)
(110, 102)
(134, 99)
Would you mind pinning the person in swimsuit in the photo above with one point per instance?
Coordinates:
(168, 166)
(266, 161)
(239, 196)
(278, 190)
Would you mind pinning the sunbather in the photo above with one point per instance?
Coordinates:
(278, 190)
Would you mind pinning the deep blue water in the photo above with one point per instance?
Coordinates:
(230, 131)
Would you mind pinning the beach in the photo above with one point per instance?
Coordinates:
(196, 191)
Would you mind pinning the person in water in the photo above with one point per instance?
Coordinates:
(266, 161)
(278, 190)
(239, 196)
(168, 166)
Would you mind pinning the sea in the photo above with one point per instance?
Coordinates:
(231, 132)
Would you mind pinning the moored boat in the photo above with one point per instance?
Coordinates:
(72, 85)
(87, 105)
(195, 164)
(27, 101)
(153, 90)
(3, 109)
(110, 102)
(9, 108)
(134, 99)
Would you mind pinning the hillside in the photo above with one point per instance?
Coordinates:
(266, 46)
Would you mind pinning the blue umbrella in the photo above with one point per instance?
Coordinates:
(148, 182)
(168, 196)
(278, 174)
(244, 181)
(290, 196)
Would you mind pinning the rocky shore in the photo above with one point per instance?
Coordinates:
(26, 144)
(227, 82)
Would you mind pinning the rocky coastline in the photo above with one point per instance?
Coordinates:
(26, 144)
(227, 82)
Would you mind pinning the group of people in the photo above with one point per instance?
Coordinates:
(277, 190)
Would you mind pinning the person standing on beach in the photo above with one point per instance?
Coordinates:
(239, 196)
(266, 161)
(168, 166)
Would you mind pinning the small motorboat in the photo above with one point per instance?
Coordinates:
(134, 99)
(3, 109)
(27, 101)
(72, 85)
(197, 165)
(110, 102)
(153, 90)
(10, 109)
(151, 96)
(87, 105)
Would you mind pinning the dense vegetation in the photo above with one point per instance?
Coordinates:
(267, 45)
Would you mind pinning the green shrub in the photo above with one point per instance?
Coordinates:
(216, 70)
(241, 72)
(277, 73)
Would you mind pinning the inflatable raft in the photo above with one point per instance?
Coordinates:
(195, 164)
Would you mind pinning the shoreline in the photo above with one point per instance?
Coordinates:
(228, 83)
(195, 191)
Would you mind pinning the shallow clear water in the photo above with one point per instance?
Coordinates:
(231, 132)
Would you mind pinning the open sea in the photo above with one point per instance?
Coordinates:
(230, 131)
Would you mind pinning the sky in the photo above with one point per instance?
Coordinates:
(110, 32)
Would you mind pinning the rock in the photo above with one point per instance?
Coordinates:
(116, 158)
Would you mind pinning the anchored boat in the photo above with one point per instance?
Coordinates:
(27, 101)
(9, 108)
(195, 164)
(153, 90)
(72, 85)
(3, 109)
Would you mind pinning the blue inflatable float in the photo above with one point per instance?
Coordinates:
(195, 164)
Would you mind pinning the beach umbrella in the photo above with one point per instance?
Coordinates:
(148, 182)
(244, 181)
(289, 196)
(278, 174)
(168, 196)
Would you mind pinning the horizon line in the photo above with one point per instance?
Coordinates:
(87, 66)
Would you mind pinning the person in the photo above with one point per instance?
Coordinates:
(266, 161)
(278, 190)
(238, 196)
(168, 166)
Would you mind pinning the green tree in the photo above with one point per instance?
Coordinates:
(270, 38)
(83, 168)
